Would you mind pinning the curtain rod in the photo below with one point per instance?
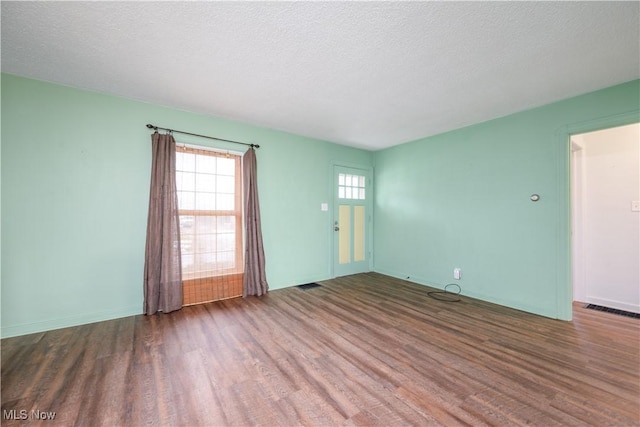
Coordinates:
(154, 127)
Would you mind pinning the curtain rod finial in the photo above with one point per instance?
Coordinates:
(151, 126)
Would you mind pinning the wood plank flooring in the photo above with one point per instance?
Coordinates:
(360, 350)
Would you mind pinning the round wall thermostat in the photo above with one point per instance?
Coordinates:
(535, 197)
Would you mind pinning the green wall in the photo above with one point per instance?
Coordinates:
(461, 199)
(75, 180)
(75, 183)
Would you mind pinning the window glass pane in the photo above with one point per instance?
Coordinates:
(199, 243)
(179, 180)
(348, 180)
(205, 183)
(348, 193)
(205, 164)
(185, 181)
(341, 179)
(361, 191)
(225, 184)
(226, 166)
(224, 202)
(205, 201)
(206, 260)
(209, 258)
(187, 249)
(186, 200)
(186, 225)
(205, 224)
(361, 181)
(226, 223)
(226, 260)
(226, 241)
(188, 258)
(179, 160)
(185, 161)
(340, 192)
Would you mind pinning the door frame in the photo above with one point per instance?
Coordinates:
(564, 279)
(369, 206)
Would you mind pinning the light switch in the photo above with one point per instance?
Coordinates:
(635, 206)
(324, 207)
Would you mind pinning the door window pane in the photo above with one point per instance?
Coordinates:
(351, 186)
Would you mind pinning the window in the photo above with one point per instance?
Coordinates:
(351, 186)
(210, 205)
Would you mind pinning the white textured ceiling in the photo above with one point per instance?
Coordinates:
(366, 74)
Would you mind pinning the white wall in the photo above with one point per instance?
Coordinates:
(606, 240)
(577, 241)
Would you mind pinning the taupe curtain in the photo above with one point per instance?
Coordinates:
(255, 278)
(162, 263)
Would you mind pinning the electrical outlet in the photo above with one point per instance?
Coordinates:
(457, 273)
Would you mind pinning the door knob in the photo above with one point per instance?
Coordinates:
(336, 228)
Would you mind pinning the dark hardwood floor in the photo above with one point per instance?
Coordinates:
(360, 350)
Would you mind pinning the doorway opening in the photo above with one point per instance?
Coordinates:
(605, 217)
